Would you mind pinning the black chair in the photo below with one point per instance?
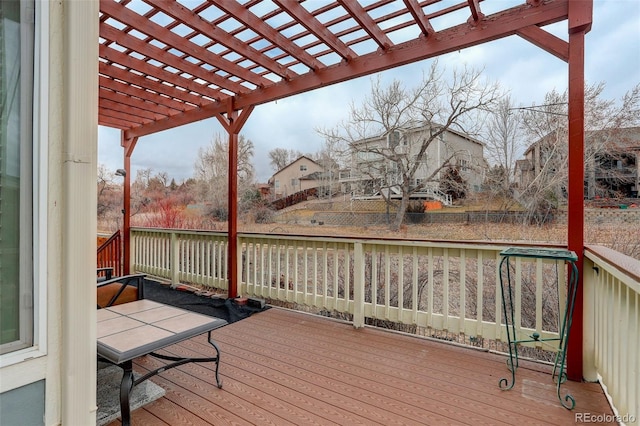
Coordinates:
(120, 290)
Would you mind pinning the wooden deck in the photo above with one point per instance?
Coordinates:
(282, 367)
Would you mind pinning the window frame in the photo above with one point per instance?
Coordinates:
(38, 185)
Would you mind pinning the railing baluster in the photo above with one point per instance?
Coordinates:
(499, 330)
(400, 288)
(539, 293)
(387, 283)
(462, 310)
(315, 273)
(445, 290)
(336, 282)
(518, 290)
(287, 276)
(175, 261)
(374, 281)
(325, 268)
(414, 286)
(273, 280)
(430, 288)
(358, 285)
(480, 293)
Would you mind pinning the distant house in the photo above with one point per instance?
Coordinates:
(299, 175)
(370, 170)
(612, 167)
(264, 189)
(615, 170)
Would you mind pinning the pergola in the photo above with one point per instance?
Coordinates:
(164, 64)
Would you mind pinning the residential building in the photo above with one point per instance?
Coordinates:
(612, 162)
(614, 170)
(379, 162)
(301, 174)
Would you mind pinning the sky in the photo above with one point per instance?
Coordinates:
(612, 56)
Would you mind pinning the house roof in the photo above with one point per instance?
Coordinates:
(418, 128)
(524, 165)
(292, 163)
(623, 138)
(616, 139)
(164, 64)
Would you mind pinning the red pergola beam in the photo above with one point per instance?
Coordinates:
(366, 22)
(547, 41)
(165, 35)
(493, 27)
(310, 22)
(152, 52)
(166, 98)
(142, 67)
(158, 111)
(187, 17)
(418, 15)
(244, 15)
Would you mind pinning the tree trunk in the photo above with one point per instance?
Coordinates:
(402, 208)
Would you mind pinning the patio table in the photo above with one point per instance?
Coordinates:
(143, 327)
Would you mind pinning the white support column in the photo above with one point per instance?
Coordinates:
(79, 108)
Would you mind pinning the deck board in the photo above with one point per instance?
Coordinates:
(282, 367)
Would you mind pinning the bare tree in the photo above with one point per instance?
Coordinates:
(109, 206)
(331, 158)
(503, 143)
(435, 106)
(607, 125)
(163, 178)
(212, 166)
(281, 157)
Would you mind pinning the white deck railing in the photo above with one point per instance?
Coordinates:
(198, 257)
(448, 286)
(612, 327)
(443, 286)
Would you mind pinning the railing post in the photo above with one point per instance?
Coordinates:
(175, 251)
(239, 265)
(590, 281)
(358, 285)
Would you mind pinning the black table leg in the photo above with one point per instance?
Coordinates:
(125, 391)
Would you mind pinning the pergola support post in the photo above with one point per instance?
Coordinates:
(128, 145)
(233, 122)
(580, 15)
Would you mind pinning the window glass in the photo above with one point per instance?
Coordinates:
(16, 90)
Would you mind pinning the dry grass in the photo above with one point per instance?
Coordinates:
(617, 236)
(449, 231)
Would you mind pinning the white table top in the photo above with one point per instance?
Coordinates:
(134, 329)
